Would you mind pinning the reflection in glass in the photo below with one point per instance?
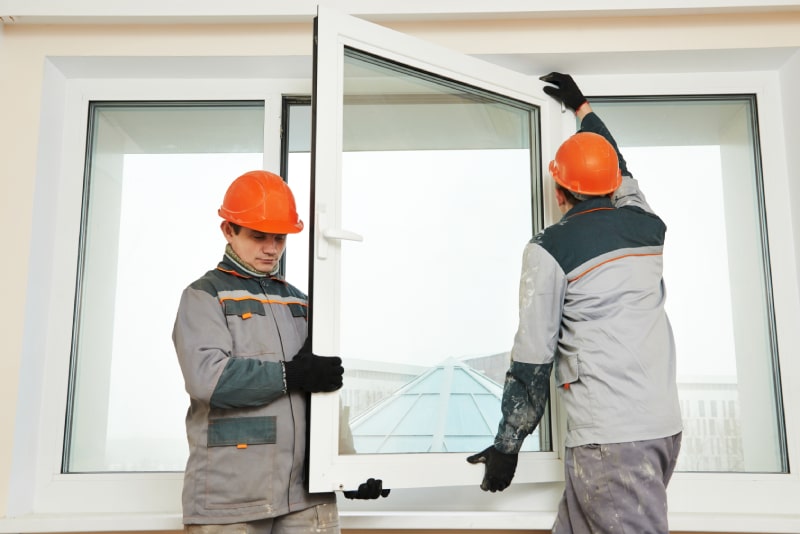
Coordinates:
(697, 161)
(437, 178)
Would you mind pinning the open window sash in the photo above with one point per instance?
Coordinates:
(426, 185)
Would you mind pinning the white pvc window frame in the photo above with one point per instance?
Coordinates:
(330, 470)
(42, 498)
(742, 502)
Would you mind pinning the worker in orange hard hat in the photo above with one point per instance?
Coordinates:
(241, 336)
(592, 307)
(261, 203)
(587, 164)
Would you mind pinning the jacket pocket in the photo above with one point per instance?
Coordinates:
(244, 308)
(240, 463)
(298, 310)
(253, 331)
(576, 394)
(567, 370)
(241, 431)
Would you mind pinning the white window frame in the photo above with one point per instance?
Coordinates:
(331, 471)
(42, 499)
(743, 502)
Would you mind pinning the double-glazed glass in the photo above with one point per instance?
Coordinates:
(697, 160)
(155, 177)
(438, 179)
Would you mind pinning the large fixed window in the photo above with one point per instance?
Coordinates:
(698, 162)
(127, 219)
(155, 176)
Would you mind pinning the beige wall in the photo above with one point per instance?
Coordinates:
(579, 35)
(23, 49)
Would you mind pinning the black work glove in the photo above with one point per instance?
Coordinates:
(500, 468)
(311, 373)
(565, 90)
(371, 489)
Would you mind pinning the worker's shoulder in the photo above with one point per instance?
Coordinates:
(599, 222)
(293, 291)
(554, 241)
(594, 233)
(212, 282)
(560, 232)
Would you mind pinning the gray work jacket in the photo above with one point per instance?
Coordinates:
(592, 305)
(247, 436)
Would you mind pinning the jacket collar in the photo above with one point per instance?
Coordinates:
(590, 204)
(231, 265)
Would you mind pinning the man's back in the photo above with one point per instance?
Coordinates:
(615, 348)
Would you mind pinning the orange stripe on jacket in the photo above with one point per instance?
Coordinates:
(587, 271)
(262, 301)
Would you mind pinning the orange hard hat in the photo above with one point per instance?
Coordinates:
(261, 201)
(587, 164)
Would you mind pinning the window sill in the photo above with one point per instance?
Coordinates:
(90, 522)
(381, 520)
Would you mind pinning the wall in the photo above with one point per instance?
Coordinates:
(560, 42)
(790, 88)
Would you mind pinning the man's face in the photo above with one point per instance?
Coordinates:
(259, 250)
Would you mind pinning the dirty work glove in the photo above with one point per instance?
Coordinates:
(565, 90)
(311, 373)
(371, 489)
(500, 468)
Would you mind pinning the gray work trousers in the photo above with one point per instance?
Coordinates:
(320, 519)
(618, 488)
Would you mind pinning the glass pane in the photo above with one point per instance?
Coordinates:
(437, 178)
(298, 176)
(156, 174)
(697, 163)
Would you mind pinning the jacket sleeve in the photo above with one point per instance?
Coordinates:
(628, 193)
(525, 395)
(527, 384)
(203, 344)
(593, 123)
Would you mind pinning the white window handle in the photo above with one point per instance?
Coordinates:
(331, 234)
(345, 235)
